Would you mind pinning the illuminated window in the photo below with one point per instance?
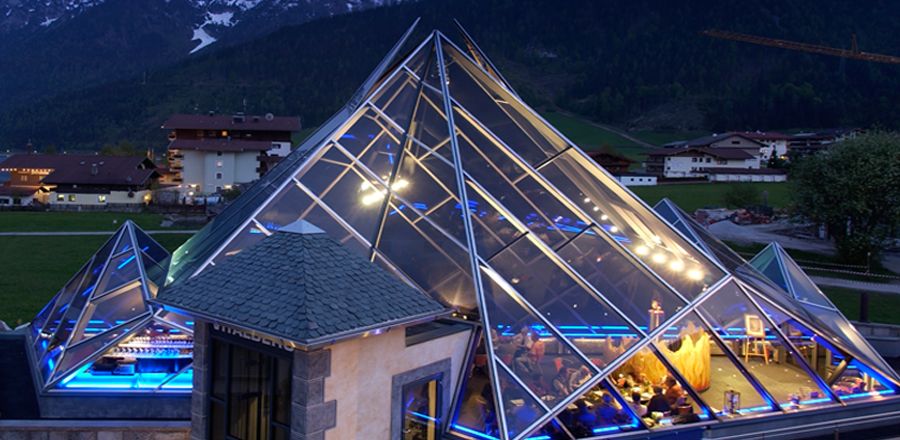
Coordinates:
(71, 197)
(101, 198)
(219, 163)
(60, 198)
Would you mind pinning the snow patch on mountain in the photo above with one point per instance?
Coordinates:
(48, 21)
(205, 39)
(221, 18)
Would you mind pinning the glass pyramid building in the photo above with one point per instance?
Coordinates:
(588, 301)
(100, 332)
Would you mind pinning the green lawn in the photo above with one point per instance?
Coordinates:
(693, 196)
(34, 268)
(591, 138)
(664, 137)
(883, 308)
(74, 221)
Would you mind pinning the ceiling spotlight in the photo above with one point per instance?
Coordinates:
(642, 250)
(604, 217)
(587, 200)
(613, 229)
(659, 258)
(676, 265)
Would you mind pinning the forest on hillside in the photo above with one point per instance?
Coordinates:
(638, 63)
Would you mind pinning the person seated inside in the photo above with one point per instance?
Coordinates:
(578, 377)
(658, 403)
(636, 406)
(673, 390)
(561, 381)
(522, 343)
(606, 411)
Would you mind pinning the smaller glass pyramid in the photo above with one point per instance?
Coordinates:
(101, 332)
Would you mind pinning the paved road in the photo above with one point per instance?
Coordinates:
(75, 233)
(892, 288)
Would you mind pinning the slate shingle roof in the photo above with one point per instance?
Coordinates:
(302, 287)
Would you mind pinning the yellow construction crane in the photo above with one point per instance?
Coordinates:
(852, 53)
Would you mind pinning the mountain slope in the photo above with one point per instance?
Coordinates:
(64, 45)
(629, 62)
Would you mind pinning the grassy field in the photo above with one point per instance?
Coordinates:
(882, 307)
(693, 196)
(32, 269)
(591, 138)
(664, 137)
(74, 221)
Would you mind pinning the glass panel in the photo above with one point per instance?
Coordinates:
(542, 361)
(703, 238)
(382, 151)
(37, 324)
(493, 170)
(120, 270)
(591, 325)
(183, 381)
(426, 256)
(357, 198)
(601, 412)
(429, 124)
(110, 311)
(762, 351)
(476, 413)
(767, 262)
(76, 306)
(421, 410)
(673, 258)
(250, 235)
(691, 348)
(634, 291)
(804, 288)
(156, 274)
(431, 188)
(150, 247)
(285, 208)
(144, 360)
(79, 353)
(326, 171)
(520, 408)
(664, 401)
(833, 339)
(502, 113)
(177, 319)
(294, 204)
(124, 243)
(859, 383)
(42, 340)
(49, 361)
(398, 98)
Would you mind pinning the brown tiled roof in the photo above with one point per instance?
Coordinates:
(229, 122)
(220, 144)
(16, 190)
(75, 169)
(723, 153)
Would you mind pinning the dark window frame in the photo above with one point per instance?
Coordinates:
(228, 342)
